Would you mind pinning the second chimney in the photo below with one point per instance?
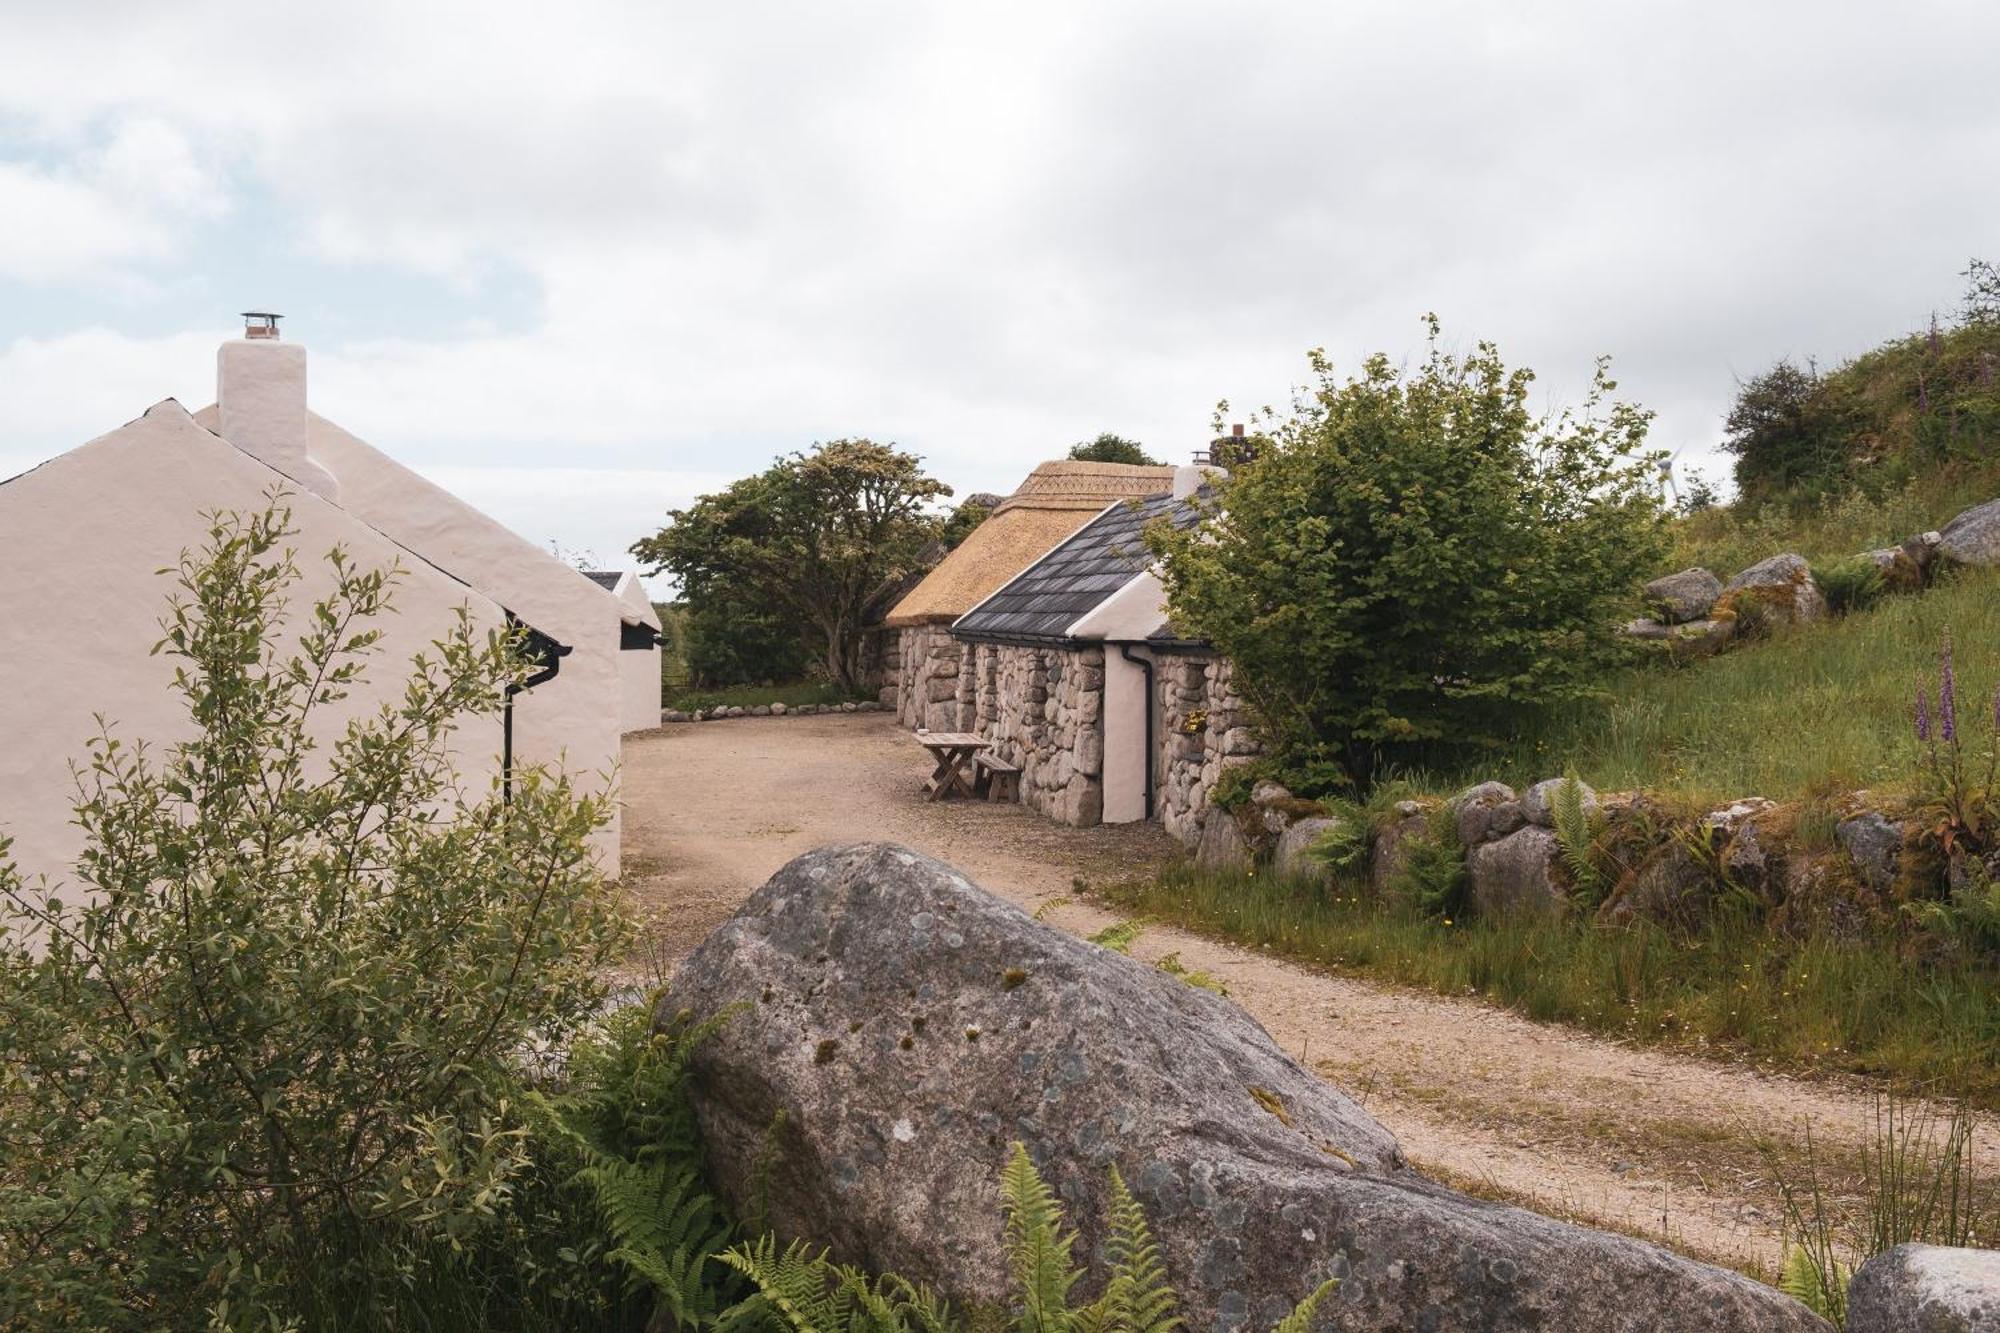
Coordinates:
(260, 400)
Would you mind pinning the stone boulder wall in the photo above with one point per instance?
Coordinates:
(1484, 812)
(909, 1027)
(1680, 598)
(1926, 1289)
(1973, 537)
(1517, 874)
(1774, 592)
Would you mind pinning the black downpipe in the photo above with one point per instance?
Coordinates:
(536, 647)
(1145, 664)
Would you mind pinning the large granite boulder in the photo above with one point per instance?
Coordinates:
(1688, 642)
(1973, 537)
(1516, 874)
(1775, 592)
(1926, 1289)
(908, 1027)
(1688, 595)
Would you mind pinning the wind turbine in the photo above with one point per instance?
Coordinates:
(1666, 470)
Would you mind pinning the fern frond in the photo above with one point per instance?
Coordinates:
(1803, 1279)
(1136, 1296)
(806, 1291)
(1574, 835)
(1118, 936)
(1038, 1249)
(1301, 1317)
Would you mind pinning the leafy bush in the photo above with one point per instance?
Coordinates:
(1783, 431)
(266, 1044)
(1850, 584)
(1417, 560)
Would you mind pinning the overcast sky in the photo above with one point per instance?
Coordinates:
(581, 262)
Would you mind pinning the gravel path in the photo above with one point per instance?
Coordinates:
(1637, 1139)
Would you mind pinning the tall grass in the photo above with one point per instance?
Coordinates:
(1817, 1004)
(1731, 538)
(1919, 1181)
(1825, 704)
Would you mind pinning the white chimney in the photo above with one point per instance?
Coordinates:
(260, 400)
(1188, 480)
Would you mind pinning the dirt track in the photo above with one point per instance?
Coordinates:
(1640, 1140)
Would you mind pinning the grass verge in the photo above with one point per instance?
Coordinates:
(1813, 1005)
(748, 696)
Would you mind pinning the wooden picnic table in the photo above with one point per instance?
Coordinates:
(953, 751)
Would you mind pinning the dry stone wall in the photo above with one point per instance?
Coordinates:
(1201, 728)
(1043, 708)
(927, 692)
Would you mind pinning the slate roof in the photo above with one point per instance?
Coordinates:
(1044, 600)
(606, 579)
(1055, 501)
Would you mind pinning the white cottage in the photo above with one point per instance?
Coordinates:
(83, 536)
(638, 647)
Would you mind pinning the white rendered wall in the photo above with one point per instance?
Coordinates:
(573, 721)
(82, 539)
(639, 669)
(1125, 707)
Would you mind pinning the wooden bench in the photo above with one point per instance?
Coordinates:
(995, 778)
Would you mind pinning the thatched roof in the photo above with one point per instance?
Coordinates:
(1056, 500)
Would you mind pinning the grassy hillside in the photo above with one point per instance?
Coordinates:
(1728, 538)
(1915, 404)
(1825, 706)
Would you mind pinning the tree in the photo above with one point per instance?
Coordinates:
(811, 538)
(1415, 559)
(1783, 431)
(267, 1042)
(1109, 448)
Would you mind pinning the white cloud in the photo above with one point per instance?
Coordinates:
(986, 234)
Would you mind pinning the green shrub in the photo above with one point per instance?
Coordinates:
(1849, 585)
(1418, 560)
(265, 1045)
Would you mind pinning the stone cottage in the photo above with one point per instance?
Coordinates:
(84, 536)
(1080, 680)
(929, 681)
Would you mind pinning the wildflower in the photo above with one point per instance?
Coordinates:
(1923, 715)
